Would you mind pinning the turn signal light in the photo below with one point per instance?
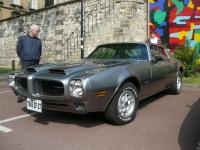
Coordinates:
(100, 94)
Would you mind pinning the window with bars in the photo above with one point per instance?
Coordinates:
(16, 2)
(59, 1)
(33, 4)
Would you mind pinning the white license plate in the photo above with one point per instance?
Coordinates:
(34, 104)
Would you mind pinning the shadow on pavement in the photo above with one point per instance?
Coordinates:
(143, 103)
(83, 120)
(189, 134)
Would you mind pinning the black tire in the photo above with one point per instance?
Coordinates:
(177, 85)
(123, 107)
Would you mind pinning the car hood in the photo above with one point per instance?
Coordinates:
(84, 66)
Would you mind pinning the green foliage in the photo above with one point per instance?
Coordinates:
(5, 70)
(192, 80)
(187, 56)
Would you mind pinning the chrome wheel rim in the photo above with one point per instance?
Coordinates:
(126, 104)
(178, 83)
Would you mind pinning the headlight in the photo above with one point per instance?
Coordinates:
(10, 80)
(76, 88)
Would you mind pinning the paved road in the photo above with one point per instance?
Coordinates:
(163, 122)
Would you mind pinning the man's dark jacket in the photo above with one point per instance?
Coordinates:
(29, 49)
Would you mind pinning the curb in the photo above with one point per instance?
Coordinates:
(191, 85)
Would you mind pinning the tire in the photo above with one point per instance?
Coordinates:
(176, 87)
(123, 107)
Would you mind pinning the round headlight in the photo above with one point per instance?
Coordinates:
(78, 87)
(71, 86)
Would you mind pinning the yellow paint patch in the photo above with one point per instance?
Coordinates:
(169, 3)
(197, 37)
(191, 26)
(191, 29)
(191, 5)
(182, 34)
(151, 1)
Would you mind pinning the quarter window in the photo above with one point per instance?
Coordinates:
(158, 51)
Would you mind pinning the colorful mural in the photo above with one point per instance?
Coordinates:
(175, 21)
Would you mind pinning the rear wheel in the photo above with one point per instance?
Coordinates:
(123, 107)
(176, 87)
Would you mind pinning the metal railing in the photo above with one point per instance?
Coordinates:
(92, 21)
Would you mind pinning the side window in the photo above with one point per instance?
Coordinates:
(138, 52)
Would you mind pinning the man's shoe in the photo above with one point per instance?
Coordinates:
(19, 100)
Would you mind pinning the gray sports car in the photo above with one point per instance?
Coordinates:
(112, 79)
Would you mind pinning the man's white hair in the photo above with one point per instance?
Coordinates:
(32, 27)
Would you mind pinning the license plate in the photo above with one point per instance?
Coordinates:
(34, 104)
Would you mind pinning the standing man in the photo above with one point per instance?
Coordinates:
(29, 48)
(154, 39)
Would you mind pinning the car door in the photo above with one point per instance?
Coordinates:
(161, 70)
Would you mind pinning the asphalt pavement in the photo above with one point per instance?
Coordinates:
(163, 122)
(3, 77)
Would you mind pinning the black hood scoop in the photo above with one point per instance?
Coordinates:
(57, 71)
(31, 70)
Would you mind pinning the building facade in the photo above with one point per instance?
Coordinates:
(13, 8)
(105, 21)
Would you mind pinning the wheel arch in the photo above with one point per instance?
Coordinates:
(181, 70)
(132, 79)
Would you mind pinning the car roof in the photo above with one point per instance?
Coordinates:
(132, 43)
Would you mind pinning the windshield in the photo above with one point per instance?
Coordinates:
(120, 51)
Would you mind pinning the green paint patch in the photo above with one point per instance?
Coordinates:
(197, 31)
(179, 5)
(159, 16)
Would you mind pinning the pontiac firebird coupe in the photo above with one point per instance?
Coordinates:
(112, 79)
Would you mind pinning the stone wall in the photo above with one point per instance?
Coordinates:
(123, 21)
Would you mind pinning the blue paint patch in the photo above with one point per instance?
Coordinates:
(179, 19)
(197, 27)
(193, 43)
(189, 34)
(174, 35)
(160, 31)
(159, 4)
(186, 2)
(163, 24)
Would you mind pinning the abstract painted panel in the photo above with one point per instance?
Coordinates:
(175, 21)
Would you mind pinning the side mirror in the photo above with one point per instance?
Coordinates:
(158, 58)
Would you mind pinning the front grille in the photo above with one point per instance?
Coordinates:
(52, 88)
(22, 83)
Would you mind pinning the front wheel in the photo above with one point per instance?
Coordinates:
(123, 107)
(176, 87)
